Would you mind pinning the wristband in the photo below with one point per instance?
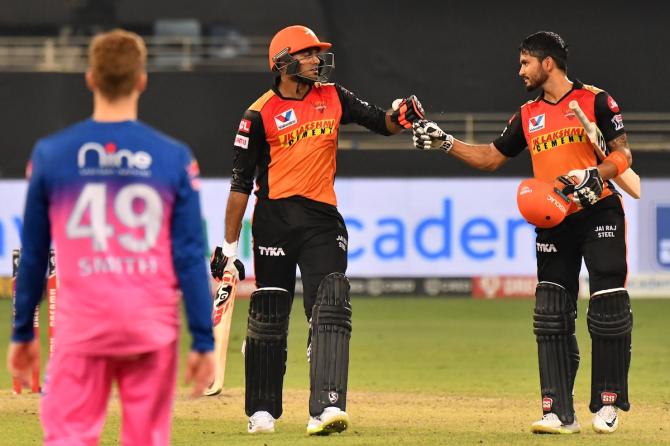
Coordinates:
(229, 249)
(619, 160)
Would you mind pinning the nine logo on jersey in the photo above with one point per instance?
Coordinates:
(286, 119)
(536, 123)
(110, 157)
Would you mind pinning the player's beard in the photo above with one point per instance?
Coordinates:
(536, 81)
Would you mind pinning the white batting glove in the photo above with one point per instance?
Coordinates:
(224, 258)
(428, 135)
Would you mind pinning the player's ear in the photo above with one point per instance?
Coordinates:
(548, 63)
(90, 82)
(142, 81)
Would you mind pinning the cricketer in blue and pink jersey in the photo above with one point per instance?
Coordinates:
(120, 202)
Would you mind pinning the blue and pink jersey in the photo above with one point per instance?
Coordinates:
(120, 202)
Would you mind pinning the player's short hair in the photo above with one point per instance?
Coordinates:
(116, 60)
(543, 44)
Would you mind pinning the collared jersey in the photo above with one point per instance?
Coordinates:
(554, 136)
(289, 145)
(120, 202)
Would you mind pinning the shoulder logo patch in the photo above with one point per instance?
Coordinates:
(245, 126)
(536, 123)
(241, 141)
(286, 119)
(611, 103)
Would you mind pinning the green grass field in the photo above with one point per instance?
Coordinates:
(423, 372)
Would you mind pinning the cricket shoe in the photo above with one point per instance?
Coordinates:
(551, 424)
(606, 421)
(332, 420)
(261, 422)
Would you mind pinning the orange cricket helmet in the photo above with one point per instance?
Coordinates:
(541, 203)
(293, 39)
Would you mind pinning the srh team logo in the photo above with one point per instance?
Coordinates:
(286, 119)
(245, 126)
(536, 123)
(110, 156)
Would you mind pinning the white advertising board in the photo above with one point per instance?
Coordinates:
(397, 227)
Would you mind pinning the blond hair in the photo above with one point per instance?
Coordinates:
(116, 60)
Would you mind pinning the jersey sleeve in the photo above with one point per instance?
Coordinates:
(608, 116)
(356, 110)
(249, 142)
(188, 248)
(512, 140)
(35, 243)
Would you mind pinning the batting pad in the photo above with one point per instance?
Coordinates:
(554, 328)
(329, 353)
(265, 350)
(610, 322)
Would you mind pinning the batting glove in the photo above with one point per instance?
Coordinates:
(428, 135)
(585, 186)
(406, 111)
(220, 262)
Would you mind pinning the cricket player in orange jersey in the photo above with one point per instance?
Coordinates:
(594, 230)
(287, 142)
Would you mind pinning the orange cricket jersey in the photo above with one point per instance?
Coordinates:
(554, 136)
(289, 145)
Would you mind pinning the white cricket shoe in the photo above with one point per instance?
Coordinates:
(606, 421)
(261, 422)
(332, 420)
(551, 424)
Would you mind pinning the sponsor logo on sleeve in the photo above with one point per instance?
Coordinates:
(611, 103)
(536, 123)
(245, 126)
(617, 120)
(286, 119)
(241, 141)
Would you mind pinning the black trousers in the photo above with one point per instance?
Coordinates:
(596, 234)
(297, 231)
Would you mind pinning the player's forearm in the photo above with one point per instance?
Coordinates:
(237, 205)
(391, 126)
(608, 169)
(480, 156)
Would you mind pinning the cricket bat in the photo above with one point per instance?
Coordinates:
(222, 316)
(629, 181)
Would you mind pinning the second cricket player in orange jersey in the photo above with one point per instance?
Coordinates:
(594, 230)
